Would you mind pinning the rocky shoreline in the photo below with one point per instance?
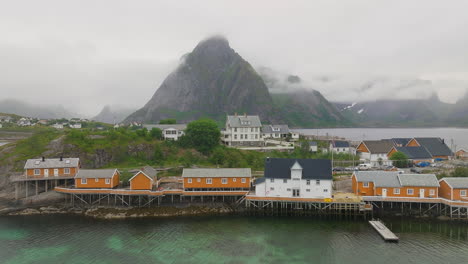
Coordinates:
(120, 213)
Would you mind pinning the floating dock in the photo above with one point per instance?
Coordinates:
(384, 232)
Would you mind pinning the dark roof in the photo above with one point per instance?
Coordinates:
(340, 144)
(400, 142)
(379, 146)
(280, 129)
(311, 168)
(435, 146)
(415, 152)
(260, 180)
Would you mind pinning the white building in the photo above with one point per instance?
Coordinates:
(313, 146)
(57, 126)
(243, 131)
(341, 146)
(24, 122)
(170, 132)
(302, 178)
(275, 131)
(76, 125)
(375, 152)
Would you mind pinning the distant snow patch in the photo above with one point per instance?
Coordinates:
(360, 111)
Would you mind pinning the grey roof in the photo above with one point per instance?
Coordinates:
(52, 163)
(423, 180)
(379, 146)
(244, 121)
(163, 127)
(217, 172)
(435, 146)
(102, 173)
(400, 142)
(379, 178)
(415, 152)
(283, 129)
(394, 179)
(319, 169)
(457, 183)
(340, 144)
(148, 171)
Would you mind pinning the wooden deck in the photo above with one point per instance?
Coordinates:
(148, 192)
(22, 178)
(286, 199)
(415, 200)
(383, 231)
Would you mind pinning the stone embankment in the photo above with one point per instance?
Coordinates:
(121, 213)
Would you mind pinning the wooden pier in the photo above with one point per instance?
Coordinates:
(383, 231)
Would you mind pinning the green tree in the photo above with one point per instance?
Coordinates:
(218, 156)
(203, 135)
(169, 121)
(158, 154)
(156, 133)
(400, 160)
(460, 172)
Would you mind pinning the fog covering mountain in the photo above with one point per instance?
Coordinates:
(431, 112)
(21, 108)
(213, 81)
(113, 114)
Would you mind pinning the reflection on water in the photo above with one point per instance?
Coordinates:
(38, 239)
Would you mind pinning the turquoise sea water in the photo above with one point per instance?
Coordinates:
(227, 239)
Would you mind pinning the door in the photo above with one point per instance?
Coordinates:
(421, 193)
(384, 192)
(55, 172)
(46, 172)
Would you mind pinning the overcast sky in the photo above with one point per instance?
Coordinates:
(85, 54)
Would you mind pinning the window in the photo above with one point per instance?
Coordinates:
(308, 182)
(67, 171)
(396, 190)
(325, 190)
(189, 180)
(242, 136)
(209, 181)
(410, 192)
(462, 192)
(288, 189)
(96, 180)
(272, 188)
(198, 180)
(307, 190)
(252, 130)
(234, 179)
(235, 136)
(235, 129)
(37, 171)
(243, 180)
(365, 184)
(84, 181)
(224, 180)
(107, 181)
(432, 192)
(317, 182)
(272, 180)
(256, 136)
(285, 180)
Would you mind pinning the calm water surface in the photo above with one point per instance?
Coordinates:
(458, 135)
(71, 239)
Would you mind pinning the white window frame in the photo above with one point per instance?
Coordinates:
(272, 188)
(365, 184)
(96, 180)
(209, 181)
(462, 192)
(431, 192)
(272, 180)
(108, 181)
(234, 179)
(285, 180)
(243, 180)
(224, 181)
(66, 171)
(325, 190)
(317, 182)
(408, 192)
(396, 190)
(84, 181)
(307, 190)
(308, 182)
(198, 180)
(38, 171)
(189, 180)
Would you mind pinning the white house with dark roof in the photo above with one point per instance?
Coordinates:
(301, 178)
(275, 131)
(243, 130)
(375, 151)
(170, 131)
(342, 146)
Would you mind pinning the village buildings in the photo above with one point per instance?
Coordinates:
(341, 146)
(48, 167)
(434, 145)
(170, 131)
(243, 130)
(375, 152)
(275, 131)
(394, 184)
(452, 188)
(301, 178)
(95, 179)
(217, 179)
(144, 179)
(415, 154)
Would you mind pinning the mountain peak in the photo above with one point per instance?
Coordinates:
(218, 41)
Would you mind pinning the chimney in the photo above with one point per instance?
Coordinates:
(43, 158)
(61, 158)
